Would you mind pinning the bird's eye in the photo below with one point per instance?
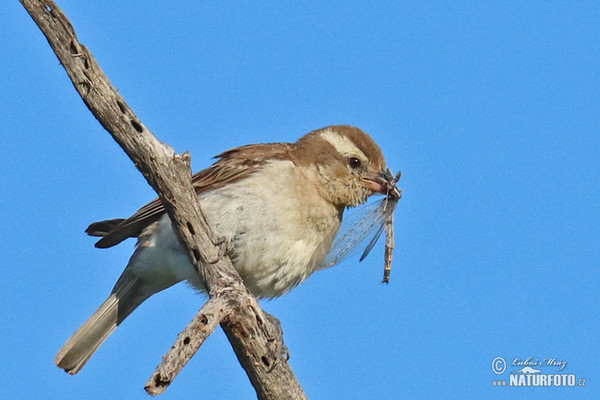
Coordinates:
(354, 162)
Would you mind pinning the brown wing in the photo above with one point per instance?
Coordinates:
(231, 166)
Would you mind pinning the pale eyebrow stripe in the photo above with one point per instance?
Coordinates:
(342, 144)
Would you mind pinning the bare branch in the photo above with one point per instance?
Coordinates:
(254, 338)
(187, 343)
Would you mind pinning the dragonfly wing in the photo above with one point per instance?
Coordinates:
(388, 212)
(372, 242)
(354, 230)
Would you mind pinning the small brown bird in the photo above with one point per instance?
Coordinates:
(278, 206)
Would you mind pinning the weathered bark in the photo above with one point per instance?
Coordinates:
(187, 343)
(256, 341)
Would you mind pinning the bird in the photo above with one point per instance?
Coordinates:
(277, 206)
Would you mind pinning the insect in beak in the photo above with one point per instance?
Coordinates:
(375, 217)
(385, 183)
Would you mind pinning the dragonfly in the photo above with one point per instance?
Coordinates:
(375, 217)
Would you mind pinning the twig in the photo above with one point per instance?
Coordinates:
(186, 345)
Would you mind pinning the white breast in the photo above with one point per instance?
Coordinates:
(279, 231)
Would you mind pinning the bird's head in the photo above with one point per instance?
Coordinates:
(346, 164)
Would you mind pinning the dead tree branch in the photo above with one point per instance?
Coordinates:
(254, 338)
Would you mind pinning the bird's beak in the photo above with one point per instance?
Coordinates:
(385, 183)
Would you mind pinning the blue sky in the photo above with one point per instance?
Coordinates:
(491, 111)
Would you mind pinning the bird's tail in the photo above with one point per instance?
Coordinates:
(125, 297)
